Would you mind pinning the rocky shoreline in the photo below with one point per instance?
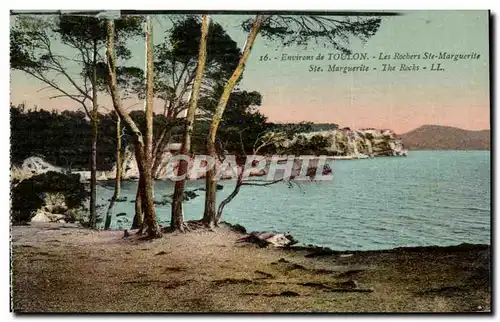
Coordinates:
(63, 268)
(339, 144)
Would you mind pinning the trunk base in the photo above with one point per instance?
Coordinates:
(190, 226)
(155, 234)
(183, 228)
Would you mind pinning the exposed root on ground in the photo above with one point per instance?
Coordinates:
(188, 226)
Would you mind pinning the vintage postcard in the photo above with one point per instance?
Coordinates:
(171, 161)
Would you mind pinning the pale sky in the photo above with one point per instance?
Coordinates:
(457, 96)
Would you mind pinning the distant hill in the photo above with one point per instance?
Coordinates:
(439, 137)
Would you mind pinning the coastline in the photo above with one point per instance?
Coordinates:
(63, 268)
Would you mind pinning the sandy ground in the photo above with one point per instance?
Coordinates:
(60, 268)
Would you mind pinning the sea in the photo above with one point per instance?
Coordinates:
(427, 198)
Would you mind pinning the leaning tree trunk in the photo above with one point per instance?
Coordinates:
(177, 218)
(209, 216)
(157, 159)
(93, 157)
(118, 174)
(239, 182)
(159, 149)
(153, 229)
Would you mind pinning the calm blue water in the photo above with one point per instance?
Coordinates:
(427, 198)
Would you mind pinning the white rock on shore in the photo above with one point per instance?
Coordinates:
(54, 210)
(45, 216)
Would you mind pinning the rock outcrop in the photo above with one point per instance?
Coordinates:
(54, 210)
(264, 239)
(32, 166)
(45, 216)
(347, 143)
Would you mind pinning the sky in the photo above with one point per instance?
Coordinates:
(456, 95)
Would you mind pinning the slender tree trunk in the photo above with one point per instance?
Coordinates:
(118, 174)
(139, 216)
(209, 216)
(138, 221)
(210, 189)
(150, 220)
(177, 218)
(153, 229)
(95, 129)
(148, 149)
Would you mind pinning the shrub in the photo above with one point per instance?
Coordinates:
(30, 195)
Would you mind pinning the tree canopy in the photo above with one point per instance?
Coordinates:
(61, 51)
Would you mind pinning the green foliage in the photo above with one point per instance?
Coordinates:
(83, 33)
(242, 124)
(199, 135)
(64, 138)
(62, 52)
(324, 127)
(61, 138)
(176, 57)
(361, 146)
(19, 56)
(303, 30)
(316, 145)
(130, 79)
(82, 30)
(342, 146)
(28, 195)
(291, 129)
(319, 141)
(81, 215)
(27, 36)
(33, 38)
(185, 44)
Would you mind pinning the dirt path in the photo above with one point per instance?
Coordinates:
(59, 267)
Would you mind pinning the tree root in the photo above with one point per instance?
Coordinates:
(185, 227)
(182, 229)
(188, 226)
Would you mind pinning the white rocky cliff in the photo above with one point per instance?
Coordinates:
(353, 144)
